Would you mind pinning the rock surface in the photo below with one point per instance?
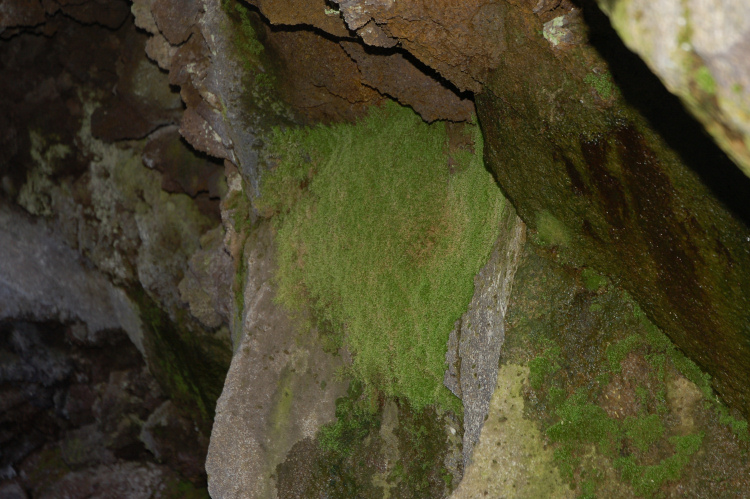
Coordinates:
(699, 50)
(580, 161)
(511, 458)
(474, 345)
(279, 390)
(43, 280)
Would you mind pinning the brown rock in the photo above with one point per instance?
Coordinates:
(182, 170)
(122, 118)
(373, 35)
(316, 13)
(108, 13)
(201, 135)
(175, 19)
(461, 40)
(318, 77)
(395, 76)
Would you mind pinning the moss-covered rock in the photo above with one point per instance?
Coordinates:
(598, 391)
(608, 171)
(381, 227)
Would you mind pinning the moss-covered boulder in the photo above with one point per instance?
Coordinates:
(604, 165)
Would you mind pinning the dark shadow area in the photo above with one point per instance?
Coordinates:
(667, 115)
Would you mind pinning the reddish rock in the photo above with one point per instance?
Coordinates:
(318, 78)
(320, 14)
(395, 76)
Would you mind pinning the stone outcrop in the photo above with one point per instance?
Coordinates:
(475, 343)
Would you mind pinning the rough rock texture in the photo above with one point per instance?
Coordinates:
(73, 407)
(280, 388)
(699, 50)
(474, 345)
(624, 412)
(398, 77)
(103, 218)
(588, 173)
(44, 280)
(206, 283)
(387, 69)
(511, 458)
(461, 41)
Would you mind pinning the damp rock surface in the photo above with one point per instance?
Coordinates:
(605, 166)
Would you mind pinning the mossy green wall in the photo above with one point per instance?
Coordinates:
(382, 227)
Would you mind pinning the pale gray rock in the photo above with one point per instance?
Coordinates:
(206, 285)
(41, 279)
(474, 345)
(699, 49)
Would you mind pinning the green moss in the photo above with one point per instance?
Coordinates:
(583, 422)
(705, 80)
(355, 419)
(617, 352)
(647, 479)
(542, 366)
(259, 79)
(737, 426)
(189, 369)
(422, 447)
(592, 280)
(383, 239)
(550, 230)
(644, 431)
(602, 83)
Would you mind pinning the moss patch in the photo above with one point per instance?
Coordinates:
(626, 413)
(189, 369)
(355, 457)
(382, 230)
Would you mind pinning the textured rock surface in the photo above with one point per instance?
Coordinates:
(461, 41)
(439, 37)
(102, 218)
(511, 458)
(588, 173)
(699, 50)
(474, 345)
(280, 388)
(72, 409)
(44, 280)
